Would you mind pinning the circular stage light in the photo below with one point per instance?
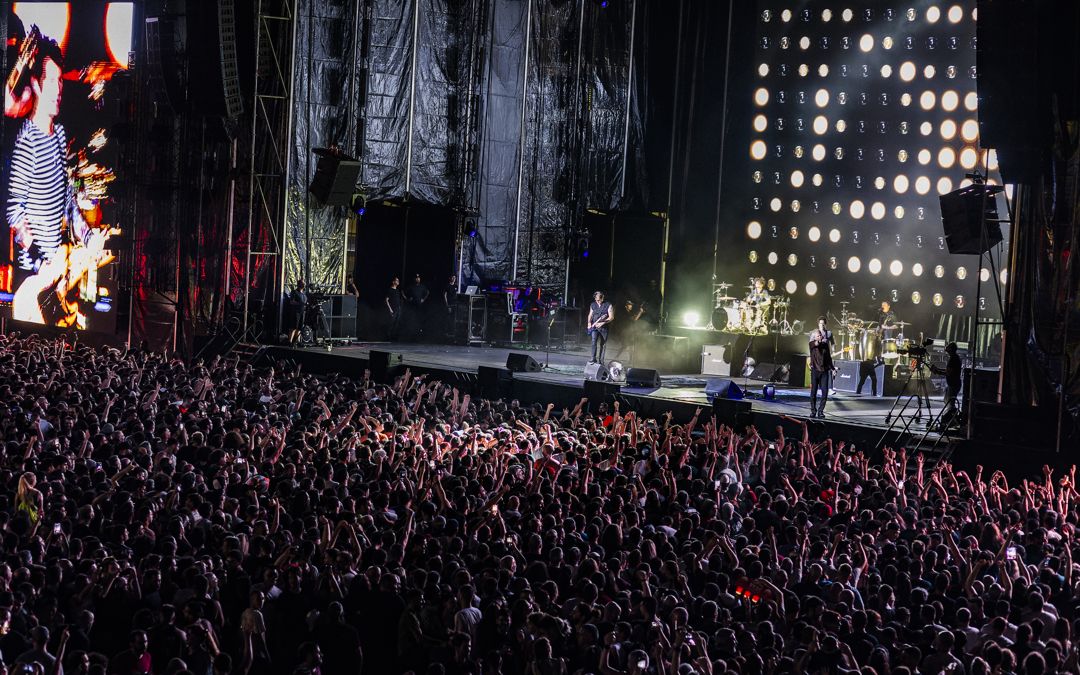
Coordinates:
(992, 162)
(821, 125)
(968, 158)
(804, 70)
(841, 126)
(969, 131)
(763, 70)
(944, 185)
(773, 258)
(929, 72)
(857, 209)
(926, 128)
(817, 180)
(902, 156)
(917, 269)
(866, 42)
(948, 130)
(775, 204)
(907, 71)
(887, 42)
(818, 153)
(761, 96)
(922, 185)
(946, 157)
(984, 275)
(896, 268)
(961, 273)
(950, 100)
(753, 229)
(971, 101)
(879, 183)
(956, 13)
(1004, 277)
(837, 209)
(804, 43)
(785, 15)
(877, 211)
(900, 184)
(927, 100)
(814, 233)
(886, 70)
(854, 264)
(792, 260)
(938, 299)
(691, 319)
(753, 256)
(758, 150)
(791, 286)
(933, 13)
(924, 157)
(847, 15)
(898, 212)
(793, 232)
(821, 98)
(811, 288)
(939, 271)
(761, 123)
(797, 178)
(916, 297)
(834, 235)
(826, 15)
(874, 266)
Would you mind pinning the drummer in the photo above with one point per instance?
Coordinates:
(759, 296)
(887, 321)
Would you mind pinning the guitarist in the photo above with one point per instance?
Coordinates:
(601, 314)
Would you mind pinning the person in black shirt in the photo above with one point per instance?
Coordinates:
(416, 298)
(601, 314)
(449, 298)
(886, 321)
(297, 308)
(393, 308)
(821, 367)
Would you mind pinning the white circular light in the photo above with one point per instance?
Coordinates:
(785, 15)
(817, 180)
(821, 98)
(922, 185)
(916, 297)
(874, 266)
(758, 149)
(791, 286)
(691, 319)
(968, 157)
(924, 156)
(818, 153)
(866, 42)
(879, 183)
(795, 205)
(898, 212)
(886, 70)
(905, 99)
(760, 123)
(896, 268)
(847, 15)
(821, 125)
(992, 160)
(841, 126)
(939, 271)
(804, 42)
(944, 185)
(950, 100)
(1004, 277)
(826, 15)
(948, 130)
(984, 275)
(956, 13)
(927, 100)
(796, 178)
(775, 204)
(761, 96)
(971, 101)
(804, 70)
(917, 269)
(811, 288)
(961, 273)
(877, 211)
(969, 131)
(814, 233)
(926, 128)
(887, 42)
(773, 258)
(763, 70)
(946, 157)
(753, 229)
(907, 71)
(854, 264)
(792, 260)
(823, 70)
(900, 184)
(929, 72)
(834, 235)
(857, 209)
(933, 14)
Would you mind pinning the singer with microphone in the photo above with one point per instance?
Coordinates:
(821, 367)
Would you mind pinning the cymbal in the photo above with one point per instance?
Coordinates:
(725, 298)
(724, 285)
(902, 323)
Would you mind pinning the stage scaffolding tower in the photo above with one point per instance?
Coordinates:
(269, 155)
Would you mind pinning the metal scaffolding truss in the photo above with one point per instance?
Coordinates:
(269, 155)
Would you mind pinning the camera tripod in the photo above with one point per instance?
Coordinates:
(906, 395)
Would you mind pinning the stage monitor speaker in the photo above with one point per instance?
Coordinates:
(598, 391)
(494, 382)
(643, 378)
(334, 183)
(521, 363)
(380, 364)
(716, 388)
(799, 370)
(962, 220)
(597, 372)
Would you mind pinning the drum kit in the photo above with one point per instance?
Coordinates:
(749, 317)
(862, 340)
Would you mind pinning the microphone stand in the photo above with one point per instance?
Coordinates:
(547, 350)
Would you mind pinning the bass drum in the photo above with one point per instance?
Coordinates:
(871, 345)
(888, 350)
(726, 319)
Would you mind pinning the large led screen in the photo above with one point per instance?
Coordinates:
(60, 103)
(857, 118)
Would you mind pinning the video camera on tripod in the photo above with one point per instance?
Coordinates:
(917, 352)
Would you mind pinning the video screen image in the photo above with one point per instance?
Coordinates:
(60, 103)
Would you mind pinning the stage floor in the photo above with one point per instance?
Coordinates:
(567, 369)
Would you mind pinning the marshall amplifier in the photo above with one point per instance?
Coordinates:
(859, 377)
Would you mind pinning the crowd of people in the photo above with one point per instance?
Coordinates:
(174, 516)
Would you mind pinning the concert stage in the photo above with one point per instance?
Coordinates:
(862, 419)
